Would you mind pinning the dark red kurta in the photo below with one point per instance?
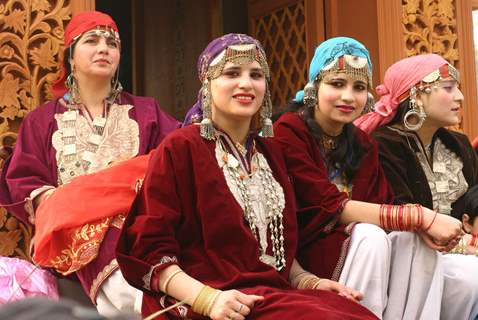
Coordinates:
(323, 244)
(186, 215)
(33, 165)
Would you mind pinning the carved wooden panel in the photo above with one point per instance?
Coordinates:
(430, 27)
(283, 35)
(31, 40)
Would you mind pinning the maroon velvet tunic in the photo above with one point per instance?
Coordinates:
(33, 165)
(323, 244)
(186, 215)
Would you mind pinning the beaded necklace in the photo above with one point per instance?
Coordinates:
(271, 195)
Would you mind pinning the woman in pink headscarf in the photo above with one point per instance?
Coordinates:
(427, 163)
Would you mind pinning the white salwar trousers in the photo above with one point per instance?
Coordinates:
(416, 279)
(116, 296)
(460, 294)
(399, 275)
(367, 266)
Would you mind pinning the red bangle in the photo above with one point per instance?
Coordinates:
(431, 223)
(474, 240)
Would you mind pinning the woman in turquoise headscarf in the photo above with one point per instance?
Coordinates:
(339, 186)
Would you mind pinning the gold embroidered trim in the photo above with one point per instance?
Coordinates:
(343, 252)
(84, 246)
(101, 277)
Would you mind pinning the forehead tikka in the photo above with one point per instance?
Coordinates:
(100, 31)
(356, 67)
(442, 73)
(237, 54)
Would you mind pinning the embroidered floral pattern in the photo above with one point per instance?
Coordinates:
(120, 140)
(83, 246)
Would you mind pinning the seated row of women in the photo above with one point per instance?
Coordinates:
(331, 212)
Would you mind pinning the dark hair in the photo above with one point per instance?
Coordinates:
(471, 203)
(401, 110)
(349, 152)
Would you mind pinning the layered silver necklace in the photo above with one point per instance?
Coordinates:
(258, 193)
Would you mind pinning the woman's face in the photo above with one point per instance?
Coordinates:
(95, 56)
(442, 105)
(341, 100)
(237, 94)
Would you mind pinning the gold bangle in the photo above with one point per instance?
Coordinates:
(205, 300)
(211, 302)
(314, 287)
(169, 278)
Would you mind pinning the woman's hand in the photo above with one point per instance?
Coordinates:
(340, 289)
(444, 230)
(233, 305)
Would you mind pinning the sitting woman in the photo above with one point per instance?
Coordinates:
(90, 125)
(426, 163)
(335, 171)
(214, 226)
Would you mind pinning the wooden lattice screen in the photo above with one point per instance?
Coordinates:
(282, 33)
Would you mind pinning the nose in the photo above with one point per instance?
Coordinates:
(245, 81)
(459, 95)
(102, 45)
(348, 94)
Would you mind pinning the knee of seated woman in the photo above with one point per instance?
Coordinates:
(460, 270)
(374, 236)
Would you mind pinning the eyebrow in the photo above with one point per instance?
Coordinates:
(236, 68)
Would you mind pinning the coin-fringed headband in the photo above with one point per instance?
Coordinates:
(355, 67)
(239, 55)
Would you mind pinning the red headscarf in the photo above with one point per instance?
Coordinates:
(79, 24)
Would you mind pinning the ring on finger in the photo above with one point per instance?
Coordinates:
(240, 308)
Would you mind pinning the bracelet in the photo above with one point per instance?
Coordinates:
(297, 276)
(316, 285)
(474, 240)
(205, 300)
(431, 223)
(169, 278)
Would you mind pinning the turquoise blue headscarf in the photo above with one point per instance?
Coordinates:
(330, 50)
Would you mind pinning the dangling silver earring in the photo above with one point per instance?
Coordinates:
(116, 87)
(72, 86)
(206, 126)
(266, 114)
(370, 104)
(310, 94)
(415, 111)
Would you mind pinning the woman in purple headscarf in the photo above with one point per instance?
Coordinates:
(214, 226)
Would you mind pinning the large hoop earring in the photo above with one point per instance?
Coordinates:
(415, 111)
(206, 127)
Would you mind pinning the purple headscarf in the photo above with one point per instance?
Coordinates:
(213, 49)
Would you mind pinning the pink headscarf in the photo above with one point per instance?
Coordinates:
(399, 79)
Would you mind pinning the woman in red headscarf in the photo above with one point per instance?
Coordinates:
(91, 124)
